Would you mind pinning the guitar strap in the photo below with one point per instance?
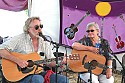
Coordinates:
(47, 76)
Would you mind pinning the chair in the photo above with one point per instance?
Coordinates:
(3, 80)
(123, 59)
(79, 80)
(123, 62)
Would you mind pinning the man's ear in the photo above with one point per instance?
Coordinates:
(28, 30)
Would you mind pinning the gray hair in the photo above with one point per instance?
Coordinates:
(27, 23)
(92, 24)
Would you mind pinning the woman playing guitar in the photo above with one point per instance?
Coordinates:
(89, 44)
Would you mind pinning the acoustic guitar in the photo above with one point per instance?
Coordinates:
(79, 61)
(70, 31)
(12, 72)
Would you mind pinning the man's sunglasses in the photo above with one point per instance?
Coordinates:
(37, 26)
(89, 31)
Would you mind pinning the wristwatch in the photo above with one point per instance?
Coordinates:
(109, 67)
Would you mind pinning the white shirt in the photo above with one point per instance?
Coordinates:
(23, 44)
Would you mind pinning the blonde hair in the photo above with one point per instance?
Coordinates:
(27, 23)
(92, 24)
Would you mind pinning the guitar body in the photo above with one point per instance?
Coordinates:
(11, 71)
(69, 32)
(78, 59)
(120, 44)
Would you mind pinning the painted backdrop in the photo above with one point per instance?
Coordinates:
(74, 10)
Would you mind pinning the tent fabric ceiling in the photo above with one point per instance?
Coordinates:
(13, 5)
(19, 5)
(117, 7)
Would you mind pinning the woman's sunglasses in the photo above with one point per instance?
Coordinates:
(89, 31)
(37, 26)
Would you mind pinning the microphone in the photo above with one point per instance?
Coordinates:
(91, 65)
(41, 35)
(41, 53)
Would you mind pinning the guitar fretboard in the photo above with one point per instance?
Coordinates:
(102, 66)
(47, 60)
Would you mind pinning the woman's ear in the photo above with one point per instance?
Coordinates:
(98, 32)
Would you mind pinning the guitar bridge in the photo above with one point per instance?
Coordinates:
(74, 57)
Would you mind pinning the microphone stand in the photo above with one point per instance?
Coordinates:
(90, 67)
(90, 71)
(57, 47)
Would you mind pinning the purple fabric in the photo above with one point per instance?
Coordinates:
(84, 5)
(74, 10)
(13, 5)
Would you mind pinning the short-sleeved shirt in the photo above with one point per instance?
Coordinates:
(104, 47)
(23, 44)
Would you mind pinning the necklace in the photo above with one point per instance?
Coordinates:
(95, 42)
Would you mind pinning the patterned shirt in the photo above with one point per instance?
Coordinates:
(23, 44)
(104, 48)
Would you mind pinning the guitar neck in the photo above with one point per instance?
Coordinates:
(79, 21)
(102, 66)
(87, 13)
(47, 60)
(115, 30)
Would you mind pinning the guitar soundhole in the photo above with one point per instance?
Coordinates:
(74, 57)
(25, 70)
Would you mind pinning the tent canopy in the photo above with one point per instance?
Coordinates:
(117, 7)
(14, 5)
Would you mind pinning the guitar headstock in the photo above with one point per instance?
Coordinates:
(122, 17)
(113, 26)
(88, 13)
(74, 57)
